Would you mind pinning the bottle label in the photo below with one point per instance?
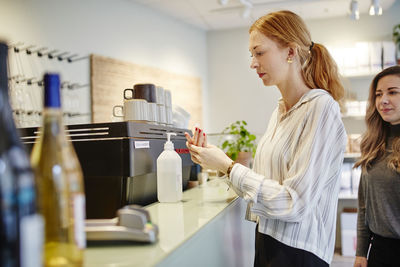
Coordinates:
(32, 238)
(79, 220)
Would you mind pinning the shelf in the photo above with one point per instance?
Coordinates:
(352, 155)
(368, 75)
(347, 196)
(356, 117)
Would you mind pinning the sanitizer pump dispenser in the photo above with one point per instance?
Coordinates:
(169, 173)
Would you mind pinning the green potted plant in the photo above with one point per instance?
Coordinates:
(240, 145)
(396, 39)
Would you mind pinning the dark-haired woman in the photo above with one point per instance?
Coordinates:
(378, 227)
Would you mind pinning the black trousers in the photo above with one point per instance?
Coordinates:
(384, 252)
(272, 253)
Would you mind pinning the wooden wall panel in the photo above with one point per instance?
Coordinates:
(109, 78)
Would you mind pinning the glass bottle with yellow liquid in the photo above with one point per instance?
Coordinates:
(59, 182)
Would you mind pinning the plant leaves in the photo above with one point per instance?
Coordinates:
(243, 140)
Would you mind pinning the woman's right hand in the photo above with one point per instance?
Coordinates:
(207, 156)
(199, 138)
(361, 262)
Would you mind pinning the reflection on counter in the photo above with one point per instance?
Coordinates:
(214, 191)
(170, 219)
(209, 221)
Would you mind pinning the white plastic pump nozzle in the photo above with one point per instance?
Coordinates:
(169, 145)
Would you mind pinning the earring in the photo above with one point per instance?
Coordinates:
(289, 60)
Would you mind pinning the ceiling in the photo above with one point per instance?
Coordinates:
(211, 15)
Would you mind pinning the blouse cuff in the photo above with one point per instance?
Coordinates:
(246, 181)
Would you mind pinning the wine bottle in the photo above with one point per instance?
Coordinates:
(59, 184)
(21, 227)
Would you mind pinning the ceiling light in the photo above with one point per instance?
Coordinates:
(247, 7)
(246, 12)
(375, 8)
(223, 2)
(354, 12)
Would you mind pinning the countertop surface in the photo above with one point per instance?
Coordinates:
(177, 223)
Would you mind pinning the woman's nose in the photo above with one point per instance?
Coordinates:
(384, 99)
(253, 63)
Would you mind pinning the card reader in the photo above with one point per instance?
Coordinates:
(132, 224)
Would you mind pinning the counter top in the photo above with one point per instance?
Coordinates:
(177, 223)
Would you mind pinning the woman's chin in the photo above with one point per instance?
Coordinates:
(267, 83)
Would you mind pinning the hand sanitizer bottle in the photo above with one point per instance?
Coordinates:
(169, 173)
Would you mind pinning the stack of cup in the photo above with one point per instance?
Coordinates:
(168, 107)
(146, 103)
(133, 110)
(146, 91)
(180, 117)
(161, 106)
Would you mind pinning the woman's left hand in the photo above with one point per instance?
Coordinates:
(210, 157)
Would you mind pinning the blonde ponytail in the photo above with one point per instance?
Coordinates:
(320, 71)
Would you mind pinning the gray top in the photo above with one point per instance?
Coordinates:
(379, 201)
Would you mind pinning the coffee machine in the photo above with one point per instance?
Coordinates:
(118, 161)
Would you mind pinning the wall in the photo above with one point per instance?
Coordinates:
(236, 91)
(124, 30)
(119, 29)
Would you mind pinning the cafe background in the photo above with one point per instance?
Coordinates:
(135, 33)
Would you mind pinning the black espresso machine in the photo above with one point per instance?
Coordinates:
(118, 161)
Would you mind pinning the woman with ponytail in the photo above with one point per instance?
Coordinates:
(292, 189)
(378, 227)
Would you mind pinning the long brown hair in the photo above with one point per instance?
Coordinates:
(319, 70)
(373, 143)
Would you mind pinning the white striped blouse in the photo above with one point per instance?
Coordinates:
(294, 185)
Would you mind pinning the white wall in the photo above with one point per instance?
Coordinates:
(119, 29)
(124, 30)
(235, 90)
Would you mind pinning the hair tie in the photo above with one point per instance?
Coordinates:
(312, 45)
